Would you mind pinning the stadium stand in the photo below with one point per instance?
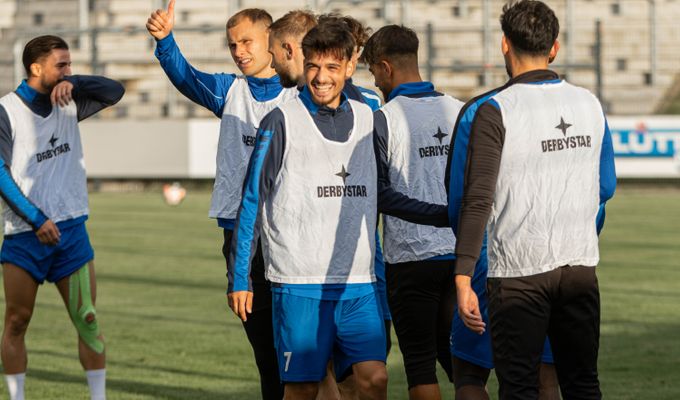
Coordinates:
(459, 55)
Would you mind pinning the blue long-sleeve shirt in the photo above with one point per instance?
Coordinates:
(265, 163)
(479, 130)
(205, 89)
(90, 93)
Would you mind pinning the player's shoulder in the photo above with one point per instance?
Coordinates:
(274, 118)
(453, 100)
(579, 90)
(361, 106)
(371, 98)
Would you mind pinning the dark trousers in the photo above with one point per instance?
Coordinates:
(421, 296)
(565, 305)
(259, 325)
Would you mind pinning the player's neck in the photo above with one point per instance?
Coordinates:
(527, 64)
(34, 83)
(406, 76)
(266, 73)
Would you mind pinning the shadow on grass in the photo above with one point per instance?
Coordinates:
(112, 363)
(108, 313)
(144, 280)
(144, 388)
(158, 251)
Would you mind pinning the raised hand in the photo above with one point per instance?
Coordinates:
(62, 94)
(161, 22)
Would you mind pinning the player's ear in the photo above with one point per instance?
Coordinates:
(553, 51)
(351, 65)
(387, 67)
(505, 45)
(289, 50)
(36, 69)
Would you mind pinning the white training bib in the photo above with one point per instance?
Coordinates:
(318, 225)
(547, 194)
(240, 119)
(47, 162)
(419, 138)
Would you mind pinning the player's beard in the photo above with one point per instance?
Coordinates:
(287, 80)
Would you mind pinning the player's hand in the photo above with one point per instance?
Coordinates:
(48, 233)
(241, 303)
(161, 22)
(62, 94)
(468, 305)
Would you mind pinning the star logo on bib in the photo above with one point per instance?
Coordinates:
(53, 140)
(343, 174)
(440, 135)
(563, 126)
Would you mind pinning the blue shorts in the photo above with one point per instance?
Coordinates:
(49, 262)
(470, 346)
(309, 332)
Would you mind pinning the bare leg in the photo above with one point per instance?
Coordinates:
(471, 392)
(89, 359)
(20, 292)
(301, 391)
(425, 392)
(348, 389)
(549, 388)
(371, 378)
(328, 389)
(470, 380)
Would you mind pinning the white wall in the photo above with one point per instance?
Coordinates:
(645, 147)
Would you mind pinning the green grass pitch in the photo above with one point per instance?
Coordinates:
(169, 334)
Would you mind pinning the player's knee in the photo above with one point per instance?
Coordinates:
(90, 318)
(86, 322)
(87, 327)
(466, 373)
(376, 381)
(17, 322)
(300, 391)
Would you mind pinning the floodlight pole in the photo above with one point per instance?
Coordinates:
(17, 51)
(570, 36)
(486, 37)
(83, 21)
(652, 42)
(598, 62)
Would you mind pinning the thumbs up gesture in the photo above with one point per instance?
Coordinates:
(161, 22)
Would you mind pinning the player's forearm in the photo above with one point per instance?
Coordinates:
(207, 90)
(17, 201)
(396, 204)
(94, 93)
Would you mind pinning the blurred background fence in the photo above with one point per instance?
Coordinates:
(627, 52)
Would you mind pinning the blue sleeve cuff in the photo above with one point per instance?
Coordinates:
(164, 45)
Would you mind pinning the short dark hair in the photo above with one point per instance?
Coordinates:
(40, 47)
(253, 14)
(390, 42)
(330, 37)
(530, 26)
(359, 31)
(293, 23)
